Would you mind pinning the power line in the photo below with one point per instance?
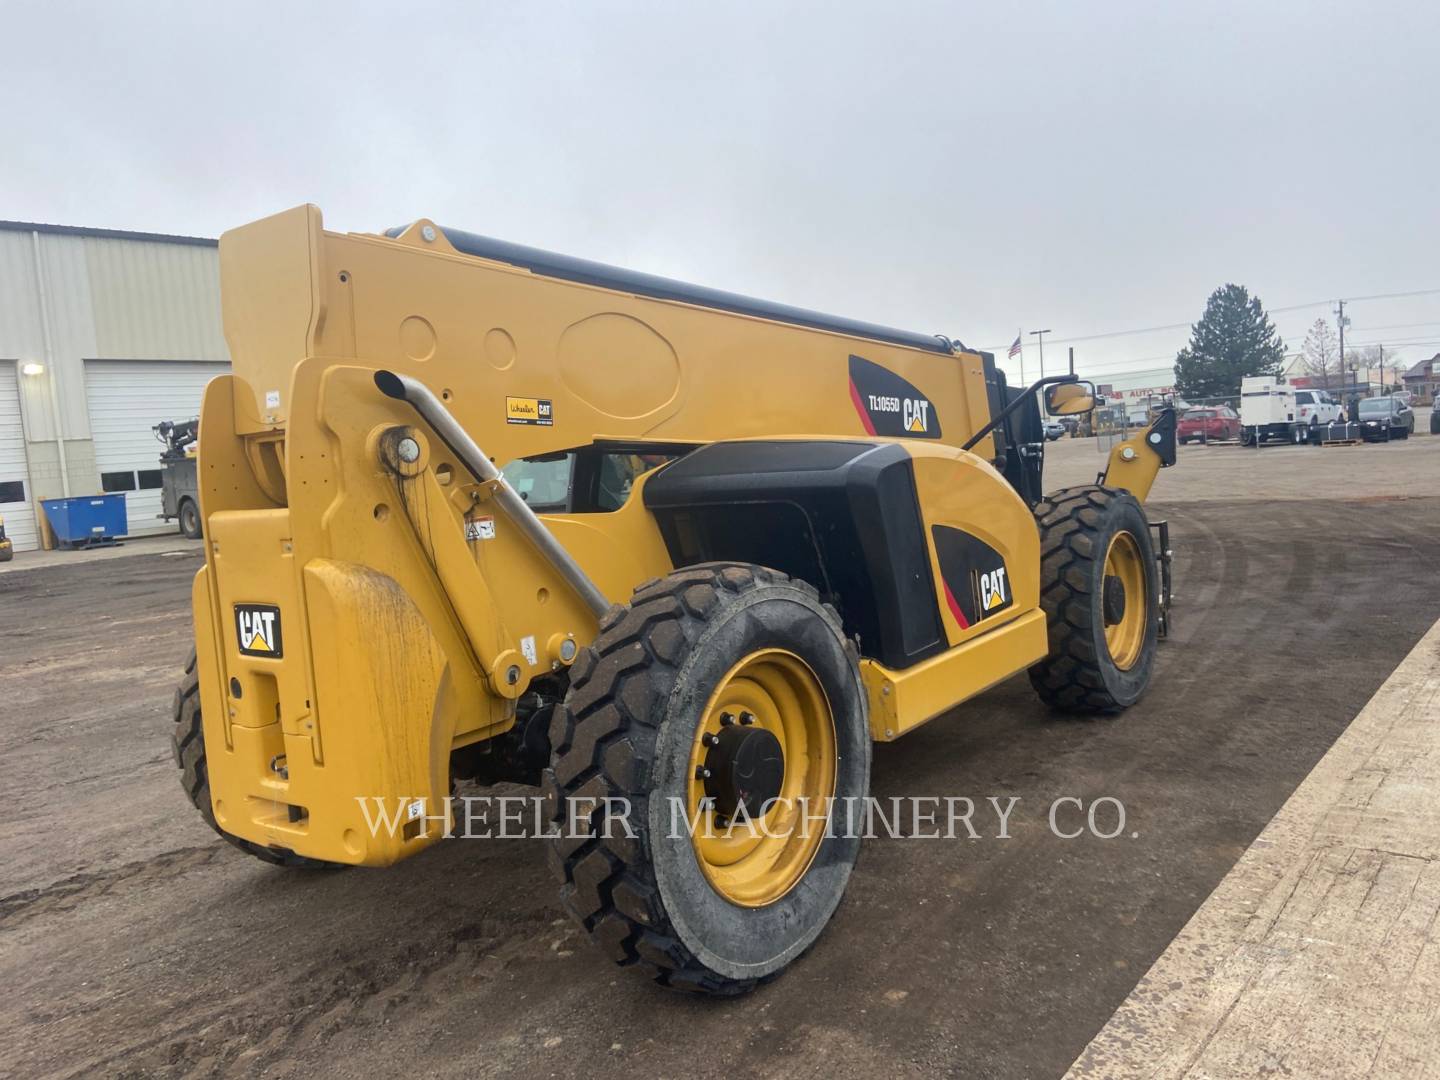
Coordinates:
(1268, 311)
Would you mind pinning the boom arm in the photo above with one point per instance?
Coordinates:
(1134, 462)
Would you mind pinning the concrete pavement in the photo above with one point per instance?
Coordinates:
(163, 544)
(1319, 953)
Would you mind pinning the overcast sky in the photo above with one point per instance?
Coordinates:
(963, 169)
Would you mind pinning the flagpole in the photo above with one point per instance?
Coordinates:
(1019, 336)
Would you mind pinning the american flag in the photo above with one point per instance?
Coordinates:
(1015, 349)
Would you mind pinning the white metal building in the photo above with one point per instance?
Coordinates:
(103, 334)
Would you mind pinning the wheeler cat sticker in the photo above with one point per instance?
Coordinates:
(529, 410)
(257, 628)
(977, 583)
(888, 404)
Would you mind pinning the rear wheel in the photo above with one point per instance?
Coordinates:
(190, 519)
(188, 745)
(1100, 592)
(726, 696)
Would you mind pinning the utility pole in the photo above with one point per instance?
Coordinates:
(1039, 335)
(1340, 321)
(1072, 359)
(1381, 349)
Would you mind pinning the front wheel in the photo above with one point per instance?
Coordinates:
(721, 714)
(1099, 591)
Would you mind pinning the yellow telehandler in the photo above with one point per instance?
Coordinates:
(475, 511)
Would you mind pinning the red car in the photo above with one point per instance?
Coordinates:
(1210, 422)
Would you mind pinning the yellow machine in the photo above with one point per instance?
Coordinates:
(474, 511)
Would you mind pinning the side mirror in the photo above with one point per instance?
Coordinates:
(1069, 399)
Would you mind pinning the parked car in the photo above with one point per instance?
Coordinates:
(1316, 407)
(1385, 418)
(1054, 429)
(1208, 422)
(1435, 420)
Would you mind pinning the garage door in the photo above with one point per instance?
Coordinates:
(15, 506)
(127, 398)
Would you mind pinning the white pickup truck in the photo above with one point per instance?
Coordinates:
(1315, 407)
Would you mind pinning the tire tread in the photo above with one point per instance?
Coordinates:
(606, 731)
(1070, 679)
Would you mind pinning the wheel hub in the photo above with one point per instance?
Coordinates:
(1113, 600)
(744, 767)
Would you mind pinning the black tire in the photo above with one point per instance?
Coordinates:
(188, 744)
(1076, 528)
(189, 515)
(625, 730)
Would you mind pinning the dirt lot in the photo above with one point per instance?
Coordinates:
(134, 942)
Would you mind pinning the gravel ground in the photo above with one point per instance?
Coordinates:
(135, 943)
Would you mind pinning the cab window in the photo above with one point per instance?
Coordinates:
(542, 482)
(583, 482)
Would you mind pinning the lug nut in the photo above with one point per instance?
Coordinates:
(726, 719)
(709, 738)
(747, 718)
(702, 773)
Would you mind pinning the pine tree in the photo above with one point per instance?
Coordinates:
(1234, 338)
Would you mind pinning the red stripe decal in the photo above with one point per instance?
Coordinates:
(860, 409)
(955, 608)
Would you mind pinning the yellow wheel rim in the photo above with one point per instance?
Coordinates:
(1124, 602)
(755, 862)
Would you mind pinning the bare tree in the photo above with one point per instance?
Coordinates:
(1322, 352)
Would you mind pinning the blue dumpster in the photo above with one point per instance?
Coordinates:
(86, 521)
